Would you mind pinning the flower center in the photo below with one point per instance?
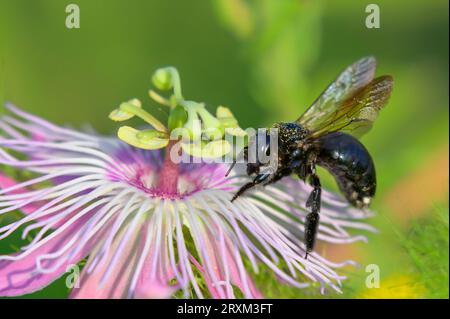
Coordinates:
(157, 177)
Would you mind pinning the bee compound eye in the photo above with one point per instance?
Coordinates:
(297, 153)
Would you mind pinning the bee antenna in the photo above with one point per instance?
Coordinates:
(231, 167)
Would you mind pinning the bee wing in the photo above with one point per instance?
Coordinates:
(356, 114)
(328, 105)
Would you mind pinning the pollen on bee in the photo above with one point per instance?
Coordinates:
(366, 200)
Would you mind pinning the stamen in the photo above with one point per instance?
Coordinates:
(147, 117)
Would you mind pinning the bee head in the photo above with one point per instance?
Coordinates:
(258, 152)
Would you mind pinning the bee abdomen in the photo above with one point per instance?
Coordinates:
(351, 165)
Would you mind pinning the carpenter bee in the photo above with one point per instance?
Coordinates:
(326, 135)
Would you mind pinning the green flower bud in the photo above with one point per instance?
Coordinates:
(177, 118)
(162, 79)
(166, 79)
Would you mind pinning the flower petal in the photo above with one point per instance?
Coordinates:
(221, 262)
(125, 270)
(157, 287)
(22, 276)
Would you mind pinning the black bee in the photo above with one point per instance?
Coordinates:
(326, 135)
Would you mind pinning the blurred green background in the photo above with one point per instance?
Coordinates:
(267, 60)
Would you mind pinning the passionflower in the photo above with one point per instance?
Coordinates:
(139, 224)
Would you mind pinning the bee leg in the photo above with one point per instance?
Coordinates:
(312, 219)
(257, 180)
(275, 177)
